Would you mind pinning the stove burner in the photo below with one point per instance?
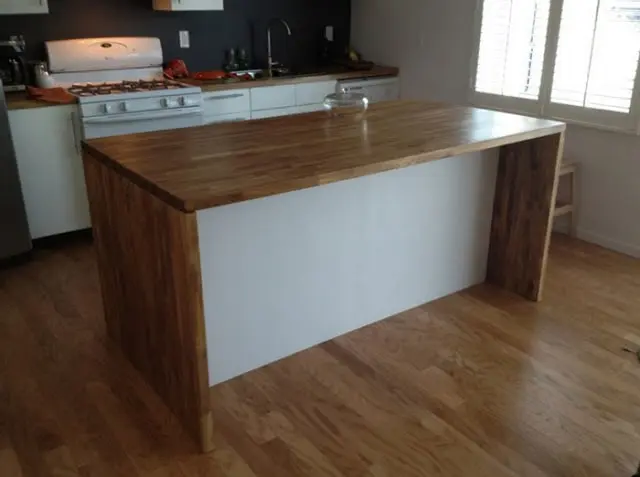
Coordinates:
(140, 86)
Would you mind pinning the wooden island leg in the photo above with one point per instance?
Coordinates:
(149, 267)
(525, 196)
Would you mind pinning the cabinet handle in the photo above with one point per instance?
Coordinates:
(76, 143)
(224, 96)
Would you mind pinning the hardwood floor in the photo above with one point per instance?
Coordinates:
(481, 383)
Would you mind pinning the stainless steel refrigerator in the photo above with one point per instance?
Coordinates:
(14, 229)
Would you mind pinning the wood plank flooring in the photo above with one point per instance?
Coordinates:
(482, 383)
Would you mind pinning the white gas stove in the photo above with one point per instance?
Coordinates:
(120, 86)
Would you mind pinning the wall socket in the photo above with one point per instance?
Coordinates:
(328, 32)
(185, 42)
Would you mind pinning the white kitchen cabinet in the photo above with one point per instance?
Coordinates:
(273, 97)
(375, 89)
(314, 93)
(185, 5)
(274, 113)
(221, 103)
(311, 108)
(47, 144)
(17, 7)
(227, 118)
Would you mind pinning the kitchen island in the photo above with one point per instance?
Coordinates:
(223, 248)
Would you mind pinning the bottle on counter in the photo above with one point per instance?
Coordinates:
(243, 59)
(232, 62)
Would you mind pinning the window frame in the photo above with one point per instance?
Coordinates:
(543, 107)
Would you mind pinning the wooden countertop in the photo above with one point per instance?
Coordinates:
(221, 85)
(20, 100)
(203, 167)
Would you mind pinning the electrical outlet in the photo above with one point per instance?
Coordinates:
(184, 39)
(328, 33)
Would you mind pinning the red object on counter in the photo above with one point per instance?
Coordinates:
(51, 95)
(176, 69)
(209, 75)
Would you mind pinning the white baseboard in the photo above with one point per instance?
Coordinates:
(610, 243)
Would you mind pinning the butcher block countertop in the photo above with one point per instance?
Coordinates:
(21, 100)
(339, 75)
(198, 168)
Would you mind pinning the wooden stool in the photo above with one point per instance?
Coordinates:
(569, 206)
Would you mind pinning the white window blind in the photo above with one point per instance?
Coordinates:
(512, 46)
(597, 57)
(569, 59)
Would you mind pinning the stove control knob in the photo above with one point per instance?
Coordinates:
(106, 108)
(183, 101)
(124, 107)
(168, 103)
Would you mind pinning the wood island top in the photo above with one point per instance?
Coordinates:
(202, 167)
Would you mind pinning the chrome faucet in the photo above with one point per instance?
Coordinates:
(269, 47)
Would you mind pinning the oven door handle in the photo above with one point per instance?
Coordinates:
(132, 118)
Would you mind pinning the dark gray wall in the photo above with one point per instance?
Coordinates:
(242, 24)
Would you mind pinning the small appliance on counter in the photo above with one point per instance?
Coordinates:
(13, 67)
(42, 76)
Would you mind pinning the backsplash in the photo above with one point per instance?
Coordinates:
(243, 23)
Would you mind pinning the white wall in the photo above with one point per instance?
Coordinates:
(431, 41)
(287, 272)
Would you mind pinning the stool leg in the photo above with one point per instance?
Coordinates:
(573, 230)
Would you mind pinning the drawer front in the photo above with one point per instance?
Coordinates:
(311, 108)
(273, 113)
(226, 102)
(227, 118)
(314, 93)
(273, 97)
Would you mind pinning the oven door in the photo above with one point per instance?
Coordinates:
(132, 123)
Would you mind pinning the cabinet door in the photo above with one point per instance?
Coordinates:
(226, 102)
(47, 143)
(273, 113)
(181, 5)
(314, 93)
(272, 97)
(12, 7)
(227, 118)
(311, 108)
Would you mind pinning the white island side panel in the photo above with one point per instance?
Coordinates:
(287, 272)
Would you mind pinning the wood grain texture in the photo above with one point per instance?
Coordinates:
(480, 383)
(149, 266)
(523, 209)
(198, 168)
(20, 100)
(217, 85)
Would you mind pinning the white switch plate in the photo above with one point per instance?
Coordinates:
(185, 42)
(328, 33)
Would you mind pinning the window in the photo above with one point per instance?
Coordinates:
(571, 59)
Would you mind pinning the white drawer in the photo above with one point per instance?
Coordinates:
(272, 113)
(314, 93)
(227, 118)
(272, 97)
(311, 108)
(226, 102)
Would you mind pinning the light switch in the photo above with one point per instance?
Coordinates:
(184, 39)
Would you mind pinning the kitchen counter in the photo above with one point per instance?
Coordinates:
(222, 164)
(224, 248)
(20, 100)
(339, 75)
